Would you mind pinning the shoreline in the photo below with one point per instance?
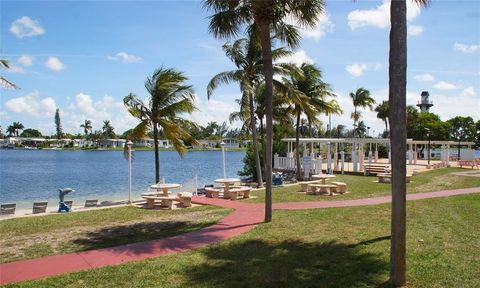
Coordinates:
(139, 149)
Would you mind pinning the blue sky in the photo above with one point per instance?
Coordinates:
(85, 56)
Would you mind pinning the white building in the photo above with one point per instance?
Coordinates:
(149, 142)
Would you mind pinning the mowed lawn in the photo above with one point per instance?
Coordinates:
(341, 247)
(32, 237)
(367, 186)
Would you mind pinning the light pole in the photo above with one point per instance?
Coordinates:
(459, 136)
(222, 144)
(129, 145)
(368, 131)
(428, 148)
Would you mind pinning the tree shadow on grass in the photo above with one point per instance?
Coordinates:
(257, 263)
(134, 233)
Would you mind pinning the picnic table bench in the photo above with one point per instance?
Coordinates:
(322, 189)
(212, 192)
(167, 201)
(387, 178)
(470, 163)
(235, 192)
(185, 199)
(375, 168)
(304, 185)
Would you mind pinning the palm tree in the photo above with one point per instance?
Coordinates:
(3, 81)
(17, 126)
(382, 113)
(10, 130)
(361, 98)
(169, 96)
(264, 17)
(87, 127)
(246, 54)
(107, 129)
(307, 94)
(398, 131)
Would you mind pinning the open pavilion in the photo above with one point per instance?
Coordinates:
(352, 154)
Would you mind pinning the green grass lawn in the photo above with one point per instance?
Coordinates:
(31, 237)
(341, 247)
(367, 186)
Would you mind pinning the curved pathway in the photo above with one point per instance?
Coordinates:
(245, 217)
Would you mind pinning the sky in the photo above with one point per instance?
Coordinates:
(84, 57)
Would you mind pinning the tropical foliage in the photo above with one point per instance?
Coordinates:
(383, 110)
(58, 124)
(87, 127)
(3, 81)
(307, 94)
(14, 129)
(169, 98)
(360, 99)
(262, 19)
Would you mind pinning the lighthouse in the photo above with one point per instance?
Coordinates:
(425, 104)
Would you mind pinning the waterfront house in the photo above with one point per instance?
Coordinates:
(12, 142)
(148, 142)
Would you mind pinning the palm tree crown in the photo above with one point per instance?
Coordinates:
(87, 126)
(3, 81)
(169, 97)
(308, 94)
(361, 98)
(261, 18)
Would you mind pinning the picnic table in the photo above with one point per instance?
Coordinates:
(162, 193)
(227, 182)
(323, 177)
(164, 187)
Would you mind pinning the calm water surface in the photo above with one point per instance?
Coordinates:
(36, 175)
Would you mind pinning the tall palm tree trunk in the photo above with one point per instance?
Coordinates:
(354, 120)
(386, 125)
(268, 73)
(262, 134)
(253, 126)
(398, 131)
(297, 147)
(157, 153)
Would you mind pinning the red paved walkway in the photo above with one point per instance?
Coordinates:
(244, 218)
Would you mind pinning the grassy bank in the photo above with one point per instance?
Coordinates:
(25, 238)
(344, 247)
(367, 186)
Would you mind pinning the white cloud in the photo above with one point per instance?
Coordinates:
(447, 106)
(323, 26)
(296, 58)
(15, 69)
(414, 30)
(214, 110)
(25, 60)
(85, 107)
(84, 104)
(379, 16)
(424, 77)
(357, 69)
(126, 58)
(468, 92)
(442, 85)
(54, 64)
(32, 105)
(466, 48)
(26, 27)
(4, 115)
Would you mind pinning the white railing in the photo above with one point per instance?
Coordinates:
(289, 163)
